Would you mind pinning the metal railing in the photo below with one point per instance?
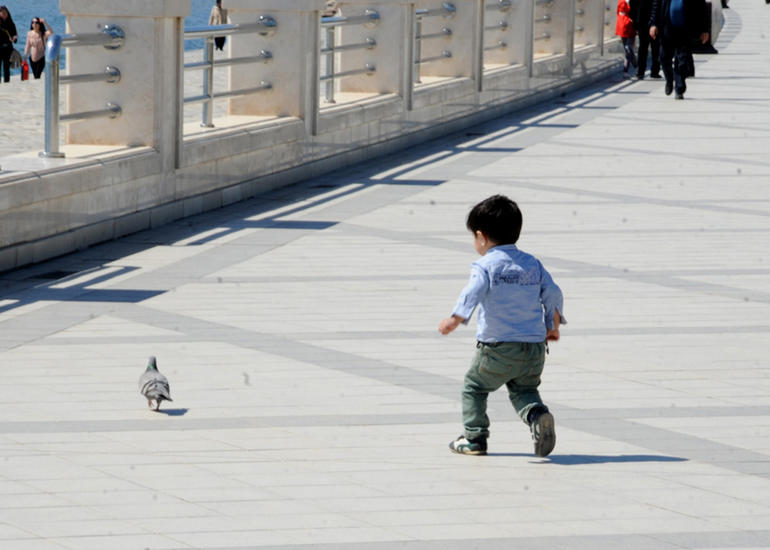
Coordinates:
(447, 11)
(265, 25)
(111, 37)
(329, 48)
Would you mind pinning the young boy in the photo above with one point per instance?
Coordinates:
(519, 310)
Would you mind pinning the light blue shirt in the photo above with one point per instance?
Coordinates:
(515, 294)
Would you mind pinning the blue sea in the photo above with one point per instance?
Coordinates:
(23, 11)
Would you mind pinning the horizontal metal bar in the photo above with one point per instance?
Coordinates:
(544, 19)
(264, 56)
(264, 85)
(499, 46)
(444, 55)
(265, 25)
(112, 37)
(368, 45)
(112, 110)
(370, 17)
(443, 33)
(195, 99)
(369, 69)
(447, 10)
(543, 36)
(500, 26)
(111, 75)
(500, 5)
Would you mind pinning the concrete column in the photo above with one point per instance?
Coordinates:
(150, 65)
(293, 70)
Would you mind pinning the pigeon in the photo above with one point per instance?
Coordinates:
(153, 385)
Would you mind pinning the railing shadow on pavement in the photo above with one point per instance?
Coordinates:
(331, 187)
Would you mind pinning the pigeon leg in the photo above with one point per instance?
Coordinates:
(157, 407)
(149, 403)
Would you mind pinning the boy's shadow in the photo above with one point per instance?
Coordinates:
(173, 412)
(575, 460)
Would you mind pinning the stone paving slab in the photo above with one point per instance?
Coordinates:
(314, 399)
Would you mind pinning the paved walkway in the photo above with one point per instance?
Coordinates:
(314, 398)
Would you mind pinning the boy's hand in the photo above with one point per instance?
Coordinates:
(448, 325)
(553, 334)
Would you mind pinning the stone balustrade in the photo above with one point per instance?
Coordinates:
(473, 60)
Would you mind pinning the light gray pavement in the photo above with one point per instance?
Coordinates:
(314, 398)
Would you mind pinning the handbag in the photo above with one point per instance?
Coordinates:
(25, 70)
(16, 59)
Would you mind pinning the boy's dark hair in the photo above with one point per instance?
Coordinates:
(498, 217)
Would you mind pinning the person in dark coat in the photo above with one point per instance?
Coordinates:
(678, 23)
(8, 36)
(640, 15)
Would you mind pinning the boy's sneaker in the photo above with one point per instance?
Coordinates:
(463, 446)
(543, 433)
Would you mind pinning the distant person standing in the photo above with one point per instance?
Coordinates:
(8, 36)
(35, 47)
(640, 15)
(218, 17)
(624, 28)
(679, 23)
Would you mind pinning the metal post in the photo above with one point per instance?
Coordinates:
(417, 48)
(53, 50)
(208, 84)
(330, 68)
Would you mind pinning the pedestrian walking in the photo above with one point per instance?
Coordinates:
(519, 311)
(8, 37)
(679, 24)
(624, 28)
(34, 49)
(640, 15)
(218, 16)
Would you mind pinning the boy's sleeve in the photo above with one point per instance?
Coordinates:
(472, 294)
(551, 297)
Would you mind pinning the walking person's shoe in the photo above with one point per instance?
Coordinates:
(464, 446)
(655, 75)
(679, 95)
(669, 87)
(543, 432)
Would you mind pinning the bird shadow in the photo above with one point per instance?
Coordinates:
(575, 460)
(173, 412)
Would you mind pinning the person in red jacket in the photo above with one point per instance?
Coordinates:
(624, 28)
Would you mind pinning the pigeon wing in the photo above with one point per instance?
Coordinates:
(154, 385)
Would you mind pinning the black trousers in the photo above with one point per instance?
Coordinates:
(674, 55)
(645, 43)
(219, 42)
(5, 61)
(37, 66)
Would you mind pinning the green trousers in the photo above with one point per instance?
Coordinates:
(518, 365)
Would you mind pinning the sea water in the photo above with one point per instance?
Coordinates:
(22, 12)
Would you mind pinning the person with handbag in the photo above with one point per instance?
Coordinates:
(8, 37)
(679, 23)
(34, 50)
